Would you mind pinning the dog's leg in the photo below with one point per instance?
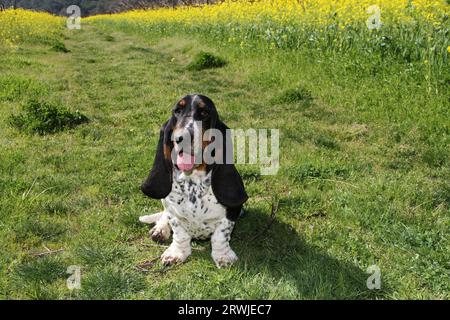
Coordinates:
(180, 249)
(222, 253)
(161, 231)
(152, 218)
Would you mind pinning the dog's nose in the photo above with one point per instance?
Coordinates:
(178, 137)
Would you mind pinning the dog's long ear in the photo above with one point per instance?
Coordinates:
(159, 182)
(226, 182)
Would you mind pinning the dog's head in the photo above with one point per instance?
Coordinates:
(186, 140)
(184, 135)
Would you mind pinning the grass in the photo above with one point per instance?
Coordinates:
(206, 60)
(293, 96)
(43, 118)
(363, 179)
(60, 46)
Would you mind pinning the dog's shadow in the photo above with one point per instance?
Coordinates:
(282, 255)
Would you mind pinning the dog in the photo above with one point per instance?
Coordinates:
(201, 199)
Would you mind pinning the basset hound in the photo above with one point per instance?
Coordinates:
(201, 191)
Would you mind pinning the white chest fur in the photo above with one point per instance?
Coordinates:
(193, 203)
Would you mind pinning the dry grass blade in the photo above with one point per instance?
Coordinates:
(47, 252)
(144, 266)
(274, 210)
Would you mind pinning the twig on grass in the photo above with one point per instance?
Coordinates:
(274, 210)
(143, 267)
(47, 252)
(146, 265)
(201, 249)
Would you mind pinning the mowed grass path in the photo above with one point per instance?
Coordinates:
(355, 187)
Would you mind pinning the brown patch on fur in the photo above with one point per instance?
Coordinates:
(182, 103)
(167, 153)
(201, 104)
(205, 144)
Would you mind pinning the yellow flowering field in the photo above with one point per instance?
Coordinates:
(20, 25)
(414, 30)
(320, 12)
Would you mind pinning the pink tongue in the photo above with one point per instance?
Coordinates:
(185, 162)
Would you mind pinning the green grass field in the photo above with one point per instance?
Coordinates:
(364, 177)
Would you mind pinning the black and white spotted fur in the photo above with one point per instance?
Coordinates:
(192, 211)
(201, 204)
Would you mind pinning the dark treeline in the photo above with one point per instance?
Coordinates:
(92, 7)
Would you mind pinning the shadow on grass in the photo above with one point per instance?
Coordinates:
(284, 255)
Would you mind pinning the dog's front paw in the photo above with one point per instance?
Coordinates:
(224, 258)
(160, 233)
(174, 255)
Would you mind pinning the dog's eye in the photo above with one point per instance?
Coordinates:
(177, 111)
(204, 113)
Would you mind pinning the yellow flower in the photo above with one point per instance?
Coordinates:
(17, 26)
(448, 49)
